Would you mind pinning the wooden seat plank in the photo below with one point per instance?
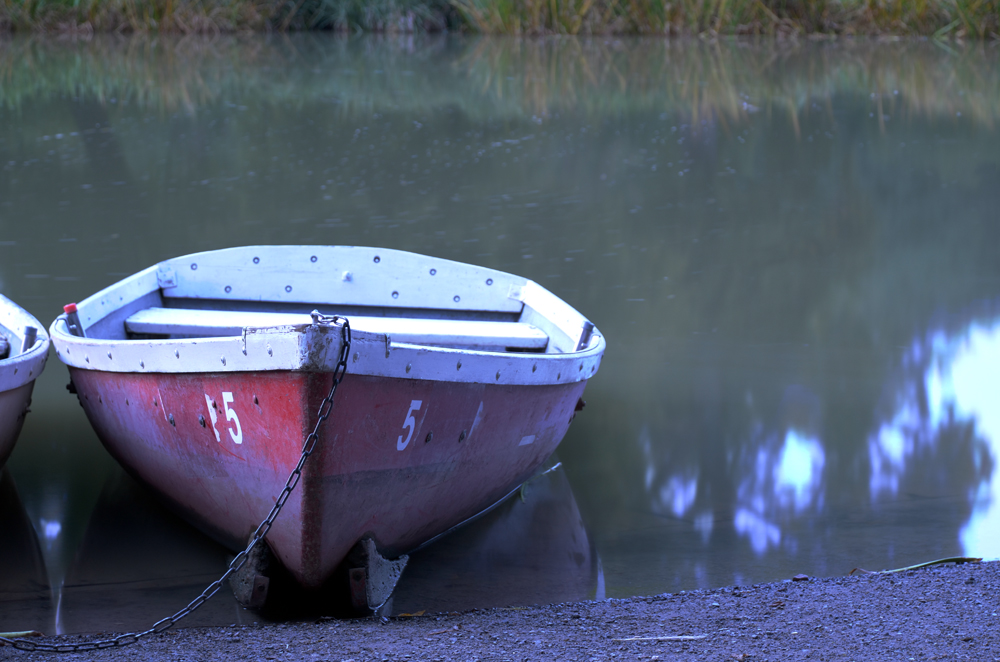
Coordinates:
(418, 331)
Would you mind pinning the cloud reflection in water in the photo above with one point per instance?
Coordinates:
(800, 468)
(785, 481)
(674, 494)
(957, 391)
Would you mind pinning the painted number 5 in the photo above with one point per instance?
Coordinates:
(409, 423)
(237, 436)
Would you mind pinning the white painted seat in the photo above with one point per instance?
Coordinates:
(492, 336)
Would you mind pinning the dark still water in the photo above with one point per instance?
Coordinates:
(793, 251)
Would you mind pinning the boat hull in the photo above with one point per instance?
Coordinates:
(13, 407)
(399, 460)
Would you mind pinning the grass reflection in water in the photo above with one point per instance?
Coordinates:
(489, 76)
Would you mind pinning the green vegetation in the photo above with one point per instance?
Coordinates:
(957, 560)
(953, 19)
(961, 18)
(82, 17)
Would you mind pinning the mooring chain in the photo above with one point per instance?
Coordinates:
(293, 479)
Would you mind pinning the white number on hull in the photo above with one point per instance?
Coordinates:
(410, 423)
(237, 436)
(475, 421)
(212, 414)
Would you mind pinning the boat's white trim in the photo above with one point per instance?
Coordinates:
(289, 348)
(20, 368)
(278, 348)
(312, 347)
(368, 357)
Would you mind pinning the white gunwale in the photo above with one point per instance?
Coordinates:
(257, 280)
(20, 368)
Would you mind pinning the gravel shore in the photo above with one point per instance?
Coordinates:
(939, 613)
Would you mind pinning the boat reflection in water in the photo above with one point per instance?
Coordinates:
(25, 598)
(531, 549)
(138, 562)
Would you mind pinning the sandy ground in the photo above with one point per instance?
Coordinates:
(940, 613)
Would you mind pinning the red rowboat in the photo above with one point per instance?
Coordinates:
(24, 346)
(203, 376)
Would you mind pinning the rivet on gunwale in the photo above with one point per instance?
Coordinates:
(288, 288)
(427, 439)
(194, 266)
(229, 288)
(256, 260)
(201, 420)
(171, 418)
(458, 366)
(377, 259)
(489, 281)
(223, 360)
(409, 366)
(313, 258)
(395, 295)
(461, 437)
(434, 272)
(457, 298)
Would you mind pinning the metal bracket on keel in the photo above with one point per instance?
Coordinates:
(373, 578)
(251, 582)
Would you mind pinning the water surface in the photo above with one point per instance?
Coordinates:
(791, 249)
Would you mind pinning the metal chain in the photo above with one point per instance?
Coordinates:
(293, 479)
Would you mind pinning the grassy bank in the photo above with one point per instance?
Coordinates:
(82, 17)
(953, 19)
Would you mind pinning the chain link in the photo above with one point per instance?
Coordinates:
(293, 479)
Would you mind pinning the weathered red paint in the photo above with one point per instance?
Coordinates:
(356, 484)
(13, 406)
